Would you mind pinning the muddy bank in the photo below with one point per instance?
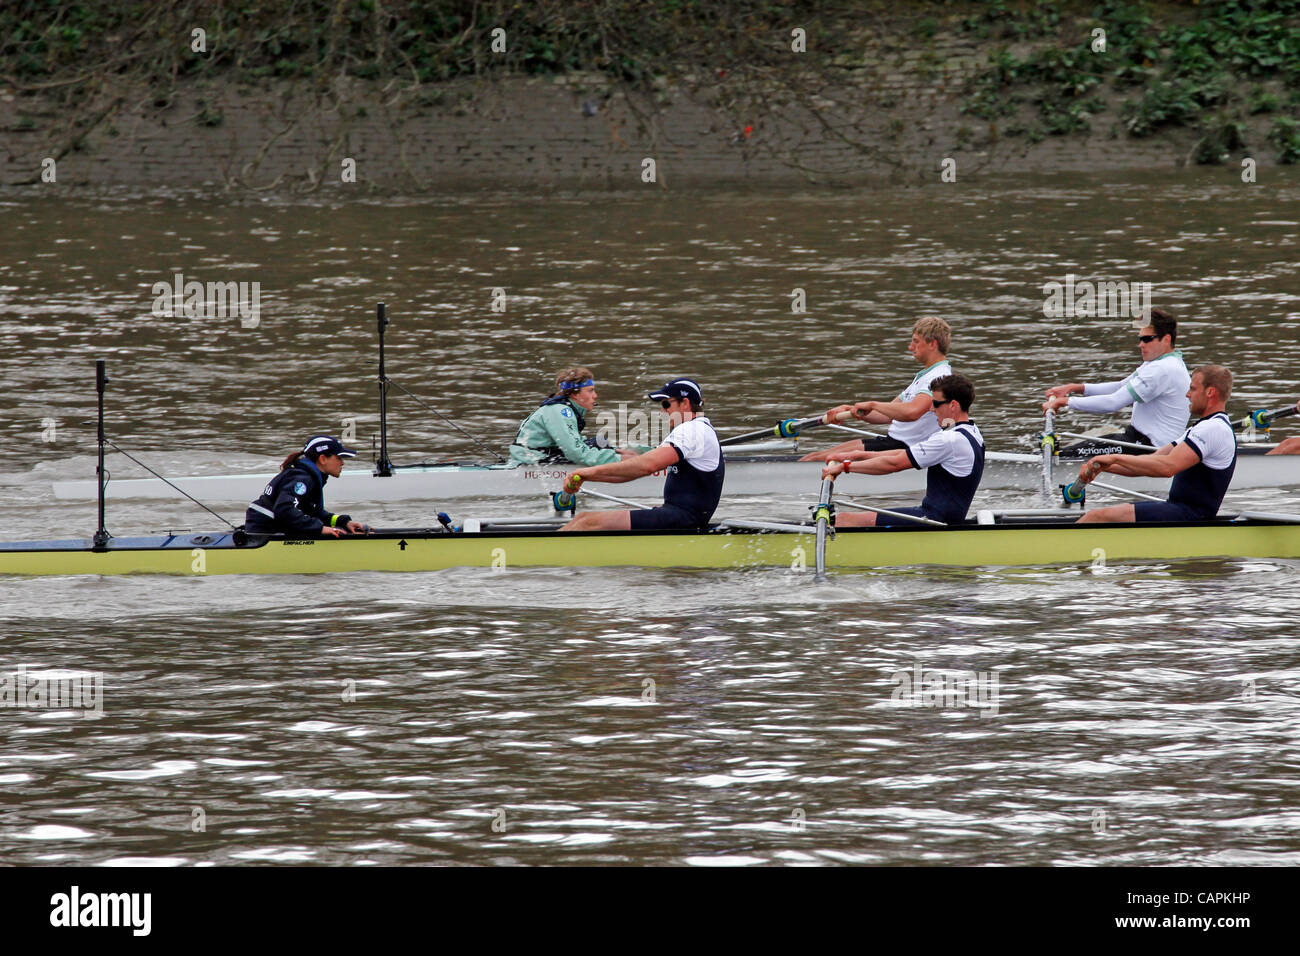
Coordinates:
(907, 108)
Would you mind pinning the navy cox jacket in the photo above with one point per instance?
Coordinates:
(293, 503)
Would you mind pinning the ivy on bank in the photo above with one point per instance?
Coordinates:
(1184, 73)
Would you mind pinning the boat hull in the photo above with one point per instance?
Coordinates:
(747, 475)
(966, 546)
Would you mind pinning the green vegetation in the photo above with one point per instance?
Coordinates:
(422, 40)
(1203, 66)
(1285, 135)
(1184, 71)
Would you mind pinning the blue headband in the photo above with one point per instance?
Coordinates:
(574, 386)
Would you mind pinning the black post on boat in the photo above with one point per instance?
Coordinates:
(100, 541)
(383, 467)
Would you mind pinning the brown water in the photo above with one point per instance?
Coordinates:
(1146, 714)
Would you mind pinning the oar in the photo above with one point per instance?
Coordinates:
(751, 524)
(1262, 418)
(1074, 492)
(568, 501)
(1269, 516)
(1110, 441)
(786, 428)
(920, 519)
(822, 518)
(1049, 452)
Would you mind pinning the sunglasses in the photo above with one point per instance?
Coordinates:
(935, 403)
(665, 404)
(1146, 338)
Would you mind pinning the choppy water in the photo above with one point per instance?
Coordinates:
(1144, 714)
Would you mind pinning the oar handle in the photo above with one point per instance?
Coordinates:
(1263, 418)
(786, 428)
(1075, 492)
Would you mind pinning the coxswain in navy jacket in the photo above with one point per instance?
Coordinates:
(293, 501)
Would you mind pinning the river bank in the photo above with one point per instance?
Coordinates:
(917, 99)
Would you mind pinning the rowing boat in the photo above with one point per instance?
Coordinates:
(752, 469)
(1007, 541)
(747, 474)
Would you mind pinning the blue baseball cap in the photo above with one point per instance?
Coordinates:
(679, 388)
(326, 445)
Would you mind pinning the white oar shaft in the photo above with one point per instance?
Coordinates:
(1049, 453)
(855, 431)
(822, 519)
(1127, 491)
(751, 525)
(1110, 441)
(622, 501)
(920, 519)
(1269, 516)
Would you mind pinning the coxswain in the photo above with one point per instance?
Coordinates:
(553, 432)
(1201, 462)
(692, 457)
(953, 458)
(1157, 390)
(909, 416)
(292, 503)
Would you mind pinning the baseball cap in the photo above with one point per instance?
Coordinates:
(327, 445)
(679, 388)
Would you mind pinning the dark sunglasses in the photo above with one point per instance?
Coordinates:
(1147, 338)
(666, 404)
(935, 403)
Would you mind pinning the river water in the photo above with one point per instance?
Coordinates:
(1124, 714)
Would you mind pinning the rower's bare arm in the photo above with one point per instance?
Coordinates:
(1064, 391)
(903, 411)
(883, 463)
(1163, 463)
(630, 469)
(843, 448)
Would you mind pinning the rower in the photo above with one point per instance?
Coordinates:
(1290, 446)
(909, 416)
(553, 432)
(690, 454)
(1157, 389)
(292, 503)
(1201, 462)
(953, 457)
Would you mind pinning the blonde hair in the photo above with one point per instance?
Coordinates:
(579, 373)
(1216, 377)
(934, 330)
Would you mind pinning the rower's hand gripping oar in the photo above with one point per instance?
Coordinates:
(1075, 493)
(786, 428)
(568, 500)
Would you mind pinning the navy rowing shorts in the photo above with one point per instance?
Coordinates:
(1165, 511)
(666, 517)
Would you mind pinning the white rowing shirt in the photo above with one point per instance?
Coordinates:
(927, 424)
(698, 443)
(1214, 440)
(948, 448)
(1159, 389)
